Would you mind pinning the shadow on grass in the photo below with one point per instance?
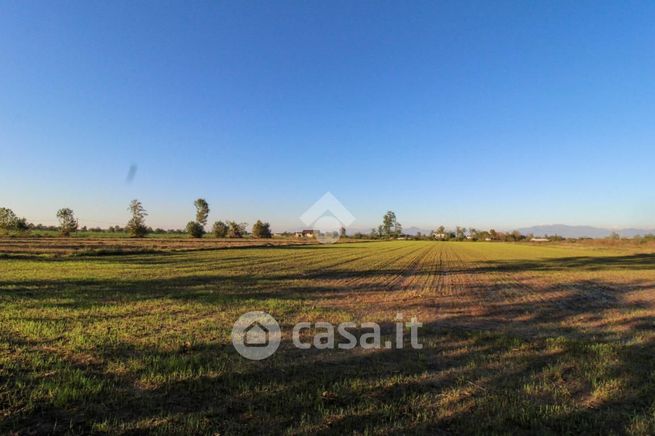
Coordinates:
(642, 261)
(559, 364)
(460, 382)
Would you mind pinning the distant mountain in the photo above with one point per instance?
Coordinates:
(581, 231)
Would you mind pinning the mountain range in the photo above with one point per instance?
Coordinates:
(582, 231)
(550, 229)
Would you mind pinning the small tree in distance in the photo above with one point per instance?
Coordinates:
(67, 222)
(195, 229)
(261, 230)
(136, 226)
(235, 230)
(220, 229)
(7, 219)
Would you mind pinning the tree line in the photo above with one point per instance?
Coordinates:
(136, 226)
(389, 229)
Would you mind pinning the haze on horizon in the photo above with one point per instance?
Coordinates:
(500, 115)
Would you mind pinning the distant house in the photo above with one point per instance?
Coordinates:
(440, 236)
(305, 234)
(539, 240)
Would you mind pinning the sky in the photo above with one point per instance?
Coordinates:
(487, 114)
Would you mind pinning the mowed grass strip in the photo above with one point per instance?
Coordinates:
(517, 338)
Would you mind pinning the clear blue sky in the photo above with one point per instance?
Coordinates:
(488, 114)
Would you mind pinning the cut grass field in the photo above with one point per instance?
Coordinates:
(517, 338)
(103, 245)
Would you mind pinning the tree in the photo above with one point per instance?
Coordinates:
(390, 226)
(67, 222)
(202, 211)
(474, 234)
(21, 225)
(195, 229)
(7, 219)
(136, 226)
(220, 229)
(235, 230)
(517, 236)
(342, 232)
(261, 230)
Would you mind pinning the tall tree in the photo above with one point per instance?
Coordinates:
(390, 225)
(136, 226)
(67, 221)
(202, 211)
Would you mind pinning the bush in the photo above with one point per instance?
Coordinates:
(195, 229)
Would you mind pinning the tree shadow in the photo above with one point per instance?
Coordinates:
(641, 261)
(460, 382)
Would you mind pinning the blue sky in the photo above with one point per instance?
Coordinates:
(487, 114)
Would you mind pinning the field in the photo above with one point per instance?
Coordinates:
(517, 338)
(121, 245)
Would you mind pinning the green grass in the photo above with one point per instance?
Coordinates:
(517, 339)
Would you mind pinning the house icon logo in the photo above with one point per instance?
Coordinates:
(327, 217)
(256, 335)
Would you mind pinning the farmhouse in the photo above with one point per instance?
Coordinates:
(305, 234)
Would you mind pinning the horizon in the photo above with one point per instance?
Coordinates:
(501, 116)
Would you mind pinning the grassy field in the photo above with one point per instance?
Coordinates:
(517, 338)
(104, 245)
